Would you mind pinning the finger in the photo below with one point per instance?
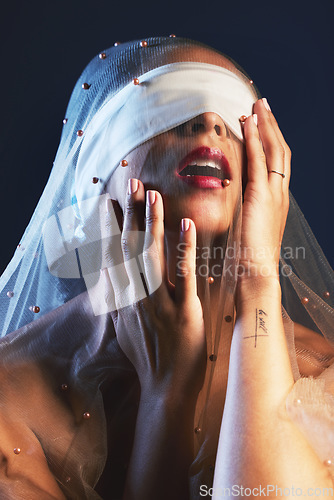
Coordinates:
(118, 294)
(118, 213)
(270, 131)
(273, 149)
(256, 160)
(153, 258)
(111, 236)
(185, 280)
(113, 272)
(263, 109)
(134, 211)
(121, 256)
(132, 243)
(281, 138)
(109, 295)
(133, 226)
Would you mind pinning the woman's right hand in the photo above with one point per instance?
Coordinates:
(162, 334)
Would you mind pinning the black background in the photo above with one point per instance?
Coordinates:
(287, 48)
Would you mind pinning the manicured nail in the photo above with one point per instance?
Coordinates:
(185, 225)
(255, 119)
(265, 103)
(133, 186)
(108, 207)
(150, 197)
(104, 272)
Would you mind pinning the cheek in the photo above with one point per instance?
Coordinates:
(117, 187)
(237, 160)
(137, 160)
(159, 166)
(134, 168)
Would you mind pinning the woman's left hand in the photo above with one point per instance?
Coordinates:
(266, 197)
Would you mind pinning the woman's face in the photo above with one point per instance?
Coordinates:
(188, 165)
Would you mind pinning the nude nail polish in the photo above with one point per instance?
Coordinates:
(150, 197)
(265, 103)
(185, 224)
(255, 119)
(108, 205)
(133, 186)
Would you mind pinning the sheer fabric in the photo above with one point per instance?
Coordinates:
(65, 383)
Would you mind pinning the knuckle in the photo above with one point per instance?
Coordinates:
(139, 308)
(130, 209)
(254, 150)
(127, 246)
(186, 247)
(261, 156)
(182, 270)
(258, 157)
(276, 149)
(151, 252)
(109, 220)
(109, 298)
(151, 257)
(131, 244)
(111, 251)
(108, 256)
(151, 219)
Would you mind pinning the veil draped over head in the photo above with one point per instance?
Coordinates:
(125, 96)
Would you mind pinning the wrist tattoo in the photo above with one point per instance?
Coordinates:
(260, 326)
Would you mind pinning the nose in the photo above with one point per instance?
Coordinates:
(209, 123)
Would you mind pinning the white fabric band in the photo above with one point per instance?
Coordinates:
(165, 98)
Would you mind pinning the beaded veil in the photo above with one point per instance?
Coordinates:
(43, 290)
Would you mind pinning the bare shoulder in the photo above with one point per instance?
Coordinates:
(313, 351)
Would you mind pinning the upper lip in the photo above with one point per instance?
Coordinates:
(211, 155)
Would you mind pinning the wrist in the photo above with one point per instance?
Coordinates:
(251, 288)
(167, 398)
(178, 382)
(263, 268)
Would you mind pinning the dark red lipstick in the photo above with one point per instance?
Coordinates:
(204, 167)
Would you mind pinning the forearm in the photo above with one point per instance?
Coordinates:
(163, 447)
(259, 444)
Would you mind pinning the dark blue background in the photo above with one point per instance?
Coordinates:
(287, 48)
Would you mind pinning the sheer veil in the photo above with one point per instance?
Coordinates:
(57, 261)
(27, 285)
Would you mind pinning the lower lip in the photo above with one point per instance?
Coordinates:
(202, 181)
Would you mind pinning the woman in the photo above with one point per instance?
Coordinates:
(129, 383)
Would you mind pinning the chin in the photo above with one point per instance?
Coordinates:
(211, 212)
(209, 220)
(208, 228)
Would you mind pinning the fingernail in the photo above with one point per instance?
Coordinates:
(108, 202)
(104, 272)
(185, 224)
(255, 119)
(133, 186)
(265, 103)
(150, 197)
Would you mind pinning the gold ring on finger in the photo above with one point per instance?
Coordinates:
(275, 172)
